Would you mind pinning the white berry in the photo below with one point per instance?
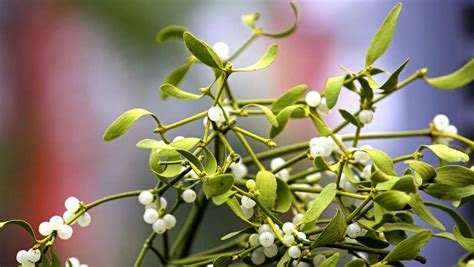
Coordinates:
(254, 240)
(248, 202)
(298, 217)
(288, 228)
(451, 129)
(163, 203)
(367, 172)
(288, 240)
(68, 215)
(270, 251)
(323, 107)
(266, 239)
(441, 122)
(65, 232)
(145, 198)
(45, 228)
(73, 262)
(152, 205)
(313, 98)
(321, 147)
(189, 196)
(222, 50)
(34, 255)
(470, 263)
(366, 116)
(318, 259)
(56, 222)
(264, 228)
(84, 220)
(72, 204)
(22, 256)
(257, 257)
(301, 235)
(248, 213)
(177, 138)
(354, 230)
(250, 184)
(215, 114)
(294, 252)
(150, 216)
(159, 226)
(170, 220)
(276, 163)
(239, 169)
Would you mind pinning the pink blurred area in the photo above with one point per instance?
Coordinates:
(69, 69)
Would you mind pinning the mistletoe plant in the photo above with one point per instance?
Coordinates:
(285, 208)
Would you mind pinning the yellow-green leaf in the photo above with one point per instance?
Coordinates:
(289, 97)
(268, 113)
(408, 249)
(333, 232)
(392, 200)
(124, 122)
(175, 77)
(202, 51)
(420, 209)
(171, 90)
(219, 184)
(332, 89)
(331, 261)
(392, 81)
(170, 32)
(23, 224)
(425, 170)
(320, 203)
(382, 161)
(457, 79)
(267, 59)
(465, 242)
(284, 197)
(291, 29)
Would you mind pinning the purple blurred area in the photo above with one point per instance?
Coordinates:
(69, 68)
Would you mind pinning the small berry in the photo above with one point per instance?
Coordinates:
(353, 230)
(264, 228)
(270, 251)
(239, 169)
(163, 203)
(323, 107)
(288, 240)
(170, 221)
(56, 222)
(266, 239)
(301, 235)
(248, 202)
(150, 216)
(276, 163)
(366, 116)
(177, 138)
(159, 226)
(322, 148)
(248, 213)
(441, 122)
(68, 215)
(152, 205)
(283, 174)
(145, 197)
(318, 259)
(288, 228)
(294, 252)
(257, 257)
(72, 204)
(72, 262)
(451, 129)
(215, 114)
(84, 220)
(313, 98)
(22, 256)
(34, 255)
(250, 184)
(297, 218)
(189, 196)
(367, 172)
(65, 232)
(254, 240)
(222, 50)
(470, 263)
(45, 228)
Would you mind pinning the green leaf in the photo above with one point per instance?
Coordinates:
(267, 59)
(289, 97)
(390, 227)
(334, 231)
(457, 176)
(320, 125)
(321, 164)
(366, 91)
(267, 186)
(124, 122)
(284, 196)
(223, 198)
(166, 171)
(382, 161)
(186, 143)
(463, 226)
(268, 113)
(282, 118)
(392, 200)
(321, 202)
(372, 242)
(247, 230)
(234, 205)
(291, 29)
(211, 162)
(202, 51)
(219, 184)
(283, 260)
(331, 261)
(457, 79)
(383, 37)
(23, 224)
(251, 19)
(448, 154)
(170, 32)
(349, 117)
(175, 77)
(355, 263)
(222, 261)
(416, 203)
(406, 184)
(171, 90)
(465, 242)
(425, 170)
(449, 192)
(408, 249)
(55, 261)
(392, 81)
(332, 90)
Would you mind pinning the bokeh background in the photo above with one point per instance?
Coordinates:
(68, 68)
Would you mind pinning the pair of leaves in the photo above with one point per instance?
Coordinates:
(452, 183)
(332, 90)
(282, 118)
(333, 232)
(118, 127)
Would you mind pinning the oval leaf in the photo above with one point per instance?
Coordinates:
(284, 197)
(332, 90)
(448, 154)
(264, 62)
(392, 81)
(457, 79)
(289, 97)
(392, 200)
(267, 186)
(124, 122)
(175, 77)
(457, 176)
(333, 232)
(349, 117)
(219, 184)
(170, 32)
(408, 249)
(171, 90)
(23, 224)
(282, 118)
(425, 170)
(382, 161)
(416, 203)
(202, 51)
(268, 113)
(321, 202)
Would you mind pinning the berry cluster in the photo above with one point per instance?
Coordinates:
(154, 213)
(28, 258)
(314, 99)
(441, 124)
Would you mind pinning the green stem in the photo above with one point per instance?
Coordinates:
(291, 162)
(250, 151)
(165, 128)
(318, 190)
(243, 47)
(358, 209)
(403, 158)
(356, 137)
(221, 248)
(266, 141)
(146, 246)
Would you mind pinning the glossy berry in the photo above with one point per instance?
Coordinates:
(65, 232)
(250, 184)
(353, 230)
(451, 129)
(145, 198)
(264, 228)
(177, 138)
(322, 147)
(215, 114)
(68, 215)
(239, 169)
(288, 228)
(84, 220)
(248, 213)
(170, 221)
(72, 204)
(45, 228)
(257, 257)
(34, 255)
(440, 122)
(270, 251)
(150, 216)
(22, 256)
(297, 218)
(294, 252)
(367, 172)
(73, 262)
(222, 50)
(288, 240)
(254, 240)
(163, 203)
(189, 196)
(159, 226)
(313, 98)
(318, 259)
(248, 202)
(266, 239)
(323, 107)
(56, 222)
(301, 235)
(366, 116)
(276, 163)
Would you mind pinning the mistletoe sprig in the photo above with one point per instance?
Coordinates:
(284, 207)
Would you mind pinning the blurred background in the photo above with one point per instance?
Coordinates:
(69, 68)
